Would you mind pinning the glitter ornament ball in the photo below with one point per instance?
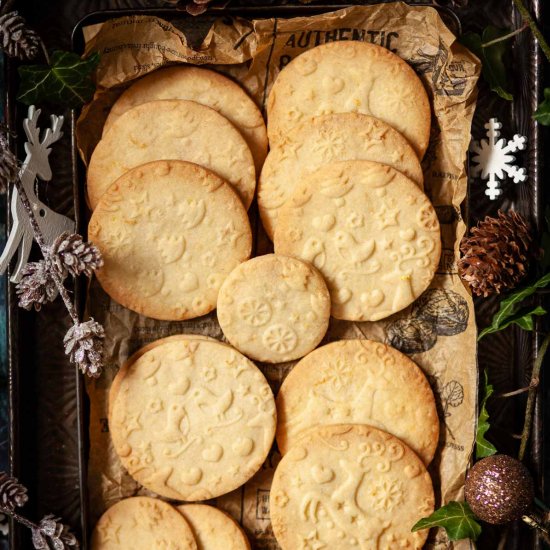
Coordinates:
(499, 489)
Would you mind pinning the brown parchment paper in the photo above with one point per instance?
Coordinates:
(253, 52)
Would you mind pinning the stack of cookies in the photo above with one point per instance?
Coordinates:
(169, 184)
(341, 195)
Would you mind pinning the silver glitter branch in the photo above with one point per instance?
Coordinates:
(49, 534)
(40, 282)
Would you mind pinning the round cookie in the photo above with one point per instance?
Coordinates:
(172, 130)
(113, 390)
(142, 523)
(325, 139)
(370, 231)
(359, 382)
(169, 233)
(350, 486)
(343, 77)
(205, 87)
(192, 419)
(274, 308)
(214, 529)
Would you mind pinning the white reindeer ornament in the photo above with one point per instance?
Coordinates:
(36, 165)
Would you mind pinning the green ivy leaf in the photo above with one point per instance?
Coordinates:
(66, 81)
(492, 58)
(542, 114)
(483, 447)
(456, 518)
(509, 312)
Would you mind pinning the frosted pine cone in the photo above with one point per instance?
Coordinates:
(37, 286)
(9, 165)
(16, 39)
(71, 254)
(197, 7)
(12, 493)
(84, 345)
(495, 256)
(51, 534)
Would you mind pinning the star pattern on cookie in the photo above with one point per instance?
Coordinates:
(311, 541)
(387, 216)
(109, 532)
(227, 235)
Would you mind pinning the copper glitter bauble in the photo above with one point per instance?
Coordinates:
(499, 489)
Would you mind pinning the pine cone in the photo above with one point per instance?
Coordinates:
(9, 165)
(197, 7)
(16, 39)
(51, 534)
(84, 345)
(496, 255)
(12, 493)
(37, 286)
(71, 254)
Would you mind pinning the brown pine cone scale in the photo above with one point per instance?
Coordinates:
(496, 253)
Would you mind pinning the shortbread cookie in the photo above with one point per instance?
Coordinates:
(359, 382)
(169, 232)
(325, 139)
(205, 87)
(152, 345)
(214, 529)
(274, 308)
(192, 419)
(343, 77)
(350, 486)
(142, 523)
(172, 130)
(371, 232)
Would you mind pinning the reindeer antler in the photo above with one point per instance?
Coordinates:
(51, 135)
(30, 125)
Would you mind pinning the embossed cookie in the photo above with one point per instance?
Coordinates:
(350, 486)
(359, 382)
(205, 87)
(370, 231)
(214, 529)
(192, 419)
(325, 139)
(142, 523)
(274, 308)
(172, 130)
(152, 345)
(343, 77)
(169, 232)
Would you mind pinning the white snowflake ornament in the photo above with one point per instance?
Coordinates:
(494, 161)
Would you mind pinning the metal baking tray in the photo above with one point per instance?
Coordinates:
(49, 420)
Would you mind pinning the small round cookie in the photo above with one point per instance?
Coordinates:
(370, 231)
(325, 139)
(169, 232)
(142, 523)
(343, 77)
(359, 382)
(172, 130)
(274, 308)
(214, 529)
(192, 419)
(350, 486)
(205, 87)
